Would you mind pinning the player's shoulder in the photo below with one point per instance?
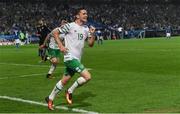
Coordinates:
(85, 26)
(72, 24)
(67, 26)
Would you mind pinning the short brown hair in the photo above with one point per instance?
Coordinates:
(77, 11)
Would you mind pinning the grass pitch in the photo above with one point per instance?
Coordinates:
(136, 75)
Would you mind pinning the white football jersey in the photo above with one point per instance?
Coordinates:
(75, 36)
(52, 42)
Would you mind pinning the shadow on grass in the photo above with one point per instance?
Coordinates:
(79, 100)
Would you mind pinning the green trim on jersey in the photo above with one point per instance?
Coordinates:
(54, 53)
(73, 66)
(65, 28)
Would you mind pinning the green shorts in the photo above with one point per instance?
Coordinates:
(73, 66)
(54, 53)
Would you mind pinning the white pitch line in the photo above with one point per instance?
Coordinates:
(30, 65)
(22, 76)
(44, 104)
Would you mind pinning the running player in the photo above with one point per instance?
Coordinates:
(53, 50)
(75, 35)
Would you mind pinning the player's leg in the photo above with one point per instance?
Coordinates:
(101, 40)
(85, 76)
(54, 62)
(41, 54)
(17, 45)
(58, 87)
(45, 57)
(98, 40)
(54, 55)
(169, 35)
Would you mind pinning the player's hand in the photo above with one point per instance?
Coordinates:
(42, 46)
(92, 29)
(63, 49)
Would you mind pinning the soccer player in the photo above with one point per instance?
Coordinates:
(168, 32)
(75, 35)
(53, 50)
(17, 40)
(99, 37)
(42, 32)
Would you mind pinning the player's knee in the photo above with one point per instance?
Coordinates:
(65, 80)
(88, 77)
(54, 61)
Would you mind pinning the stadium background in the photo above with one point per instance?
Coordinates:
(128, 75)
(134, 16)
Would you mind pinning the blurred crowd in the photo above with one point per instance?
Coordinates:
(138, 16)
(25, 15)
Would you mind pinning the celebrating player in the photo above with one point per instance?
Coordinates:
(75, 36)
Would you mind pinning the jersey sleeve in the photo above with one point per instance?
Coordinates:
(64, 29)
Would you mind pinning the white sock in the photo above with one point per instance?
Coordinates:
(52, 68)
(78, 82)
(58, 87)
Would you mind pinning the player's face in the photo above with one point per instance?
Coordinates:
(83, 15)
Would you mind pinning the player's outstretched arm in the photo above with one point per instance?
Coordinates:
(91, 37)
